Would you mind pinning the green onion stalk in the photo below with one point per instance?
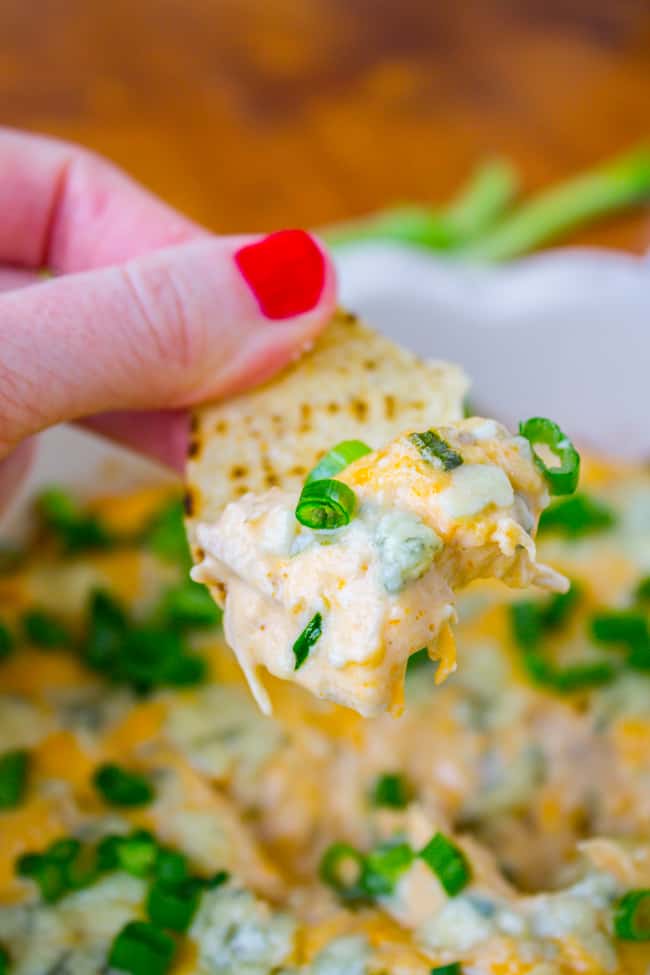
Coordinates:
(483, 226)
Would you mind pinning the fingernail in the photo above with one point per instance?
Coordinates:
(285, 271)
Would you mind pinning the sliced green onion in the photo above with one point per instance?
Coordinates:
(341, 868)
(153, 657)
(452, 969)
(337, 459)
(136, 853)
(75, 530)
(418, 660)
(82, 868)
(383, 867)
(569, 679)
(529, 620)
(48, 875)
(525, 620)
(171, 866)
(642, 591)
(14, 767)
(51, 870)
(309, 636)
(435, 450)
(326, 504)
(144, 657)
(632, 916)
(576, 517)
(391, 791)
(562, 479)
(613, 186)
(560, 607)
(142, 949)
(119, 787)
(217, 879)
(189, 606)
(6, 641)
(63, 850)
(448, 863)
(184, 671)
(629, 629)
(620, 626)
(45, 630)
(5, 961)
(165, 535)
(107, 624)
(174, 905)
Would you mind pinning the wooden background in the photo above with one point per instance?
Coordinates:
(253, 114)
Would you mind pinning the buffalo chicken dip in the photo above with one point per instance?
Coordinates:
(153, 820)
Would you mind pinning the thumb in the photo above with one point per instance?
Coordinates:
(201, 320)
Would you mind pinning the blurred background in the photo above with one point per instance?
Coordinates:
(256, 114)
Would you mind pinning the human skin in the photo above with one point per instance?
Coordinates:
(145, 313)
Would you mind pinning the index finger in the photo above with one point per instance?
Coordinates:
(65, 208)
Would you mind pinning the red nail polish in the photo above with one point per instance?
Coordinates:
(285, 271)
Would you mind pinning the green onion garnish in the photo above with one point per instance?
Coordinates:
(627, 628)
(569, 679)
(613, 186)
(620, 626)
(560, 607)
(435, 450)
(14, 766)
(75, 530)
(6, 641)
(341, 868)
(337, 459)
(173, 905)
(642, 591)
(144, 657)
(82, 868)
(390, 791)
(452, 969)
(49, 876)
(530, 621)
(119, 787)
(165, 535)
(52, 870)
(383, 867)
(106, 628)
(189, 606)
(326, 504)
(632, 916)
(5, 961)
(142, 949)
(562, 479)
(576, 516)
(171, 866)
(356, 877)
(526, 624)
(45, 630)
(217, 879)
(136, 853)
(447, 862)
(309, 636)
(418, 660)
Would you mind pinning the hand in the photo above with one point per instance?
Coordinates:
(146, 311)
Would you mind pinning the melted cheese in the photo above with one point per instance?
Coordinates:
(384, 585)
(551, 787)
